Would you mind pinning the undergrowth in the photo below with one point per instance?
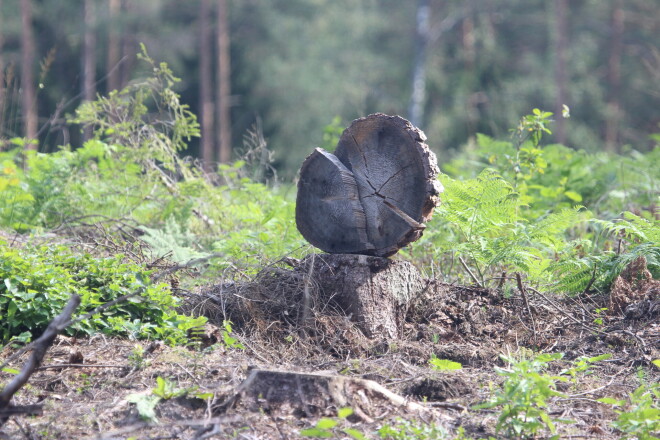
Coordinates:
(37, 282)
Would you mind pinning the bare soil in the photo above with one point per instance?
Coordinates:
(84, 383)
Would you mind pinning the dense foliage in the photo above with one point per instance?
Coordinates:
(37, 282)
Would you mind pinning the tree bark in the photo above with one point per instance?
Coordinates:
(28, 98)
(89, 59)
(561, 76)
(3, 86)
(374, 292)
(206, 111)
(613, 113)
(113, 72)
(418, 96)
(128, 45)
(224, 85)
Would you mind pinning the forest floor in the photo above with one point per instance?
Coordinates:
(89, 386)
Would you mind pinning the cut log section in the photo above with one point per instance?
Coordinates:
(374, 194)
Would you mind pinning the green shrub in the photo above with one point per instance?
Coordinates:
(523, 397)
(37, 282)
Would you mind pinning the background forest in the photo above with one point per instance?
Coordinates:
(454, 68)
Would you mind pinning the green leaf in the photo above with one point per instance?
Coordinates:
(610, 401)
(656, 362)
(573, 196)
(358, 435)
(326, 423)
(343, 413)
(316, 432)
(145, 405)
(444, 364)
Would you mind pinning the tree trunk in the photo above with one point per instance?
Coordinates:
(206, 115)
(89, 59)
(374, 194)
(29, 101)
(113, 72)
(224, 85)
(129, 47)
(3, 86)
(374, 292)
(613, 112)
(418, 96)
(561, 76)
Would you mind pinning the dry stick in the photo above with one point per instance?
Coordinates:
(591, 282)
(563, 312)
(521, 288)
(56, 366)
(41, 345)
(502, 280)
(307, 295)
(465, 266)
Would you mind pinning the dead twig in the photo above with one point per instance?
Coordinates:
(521, 288)
(563, 312)
(56, 366)
(39, 348)
(467, 269)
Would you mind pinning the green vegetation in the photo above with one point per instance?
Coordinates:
(443, 364)
(331, 427)
(638, 416)
(37, 282)
(412, 430)
(560, 217)
(165, 389)
(563, 220)
(523, 396)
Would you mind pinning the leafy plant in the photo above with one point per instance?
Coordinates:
(146, 403)
(147, 117)
(601, 269)
(523, 397)
(37, 281)
(408, 430)
(480, 220)
(228, 339)
(638, 416)
(328, 427)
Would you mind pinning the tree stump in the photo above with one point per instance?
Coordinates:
(314, 394)
(374, 292)
(374, 194)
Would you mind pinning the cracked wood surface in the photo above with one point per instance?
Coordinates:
(374, 194)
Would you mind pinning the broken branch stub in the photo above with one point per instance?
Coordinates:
(374, 194)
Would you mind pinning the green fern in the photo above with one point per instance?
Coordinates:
(484, 222)
(575, 274)
(173, 240)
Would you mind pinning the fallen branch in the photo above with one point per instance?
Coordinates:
(39, 348)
